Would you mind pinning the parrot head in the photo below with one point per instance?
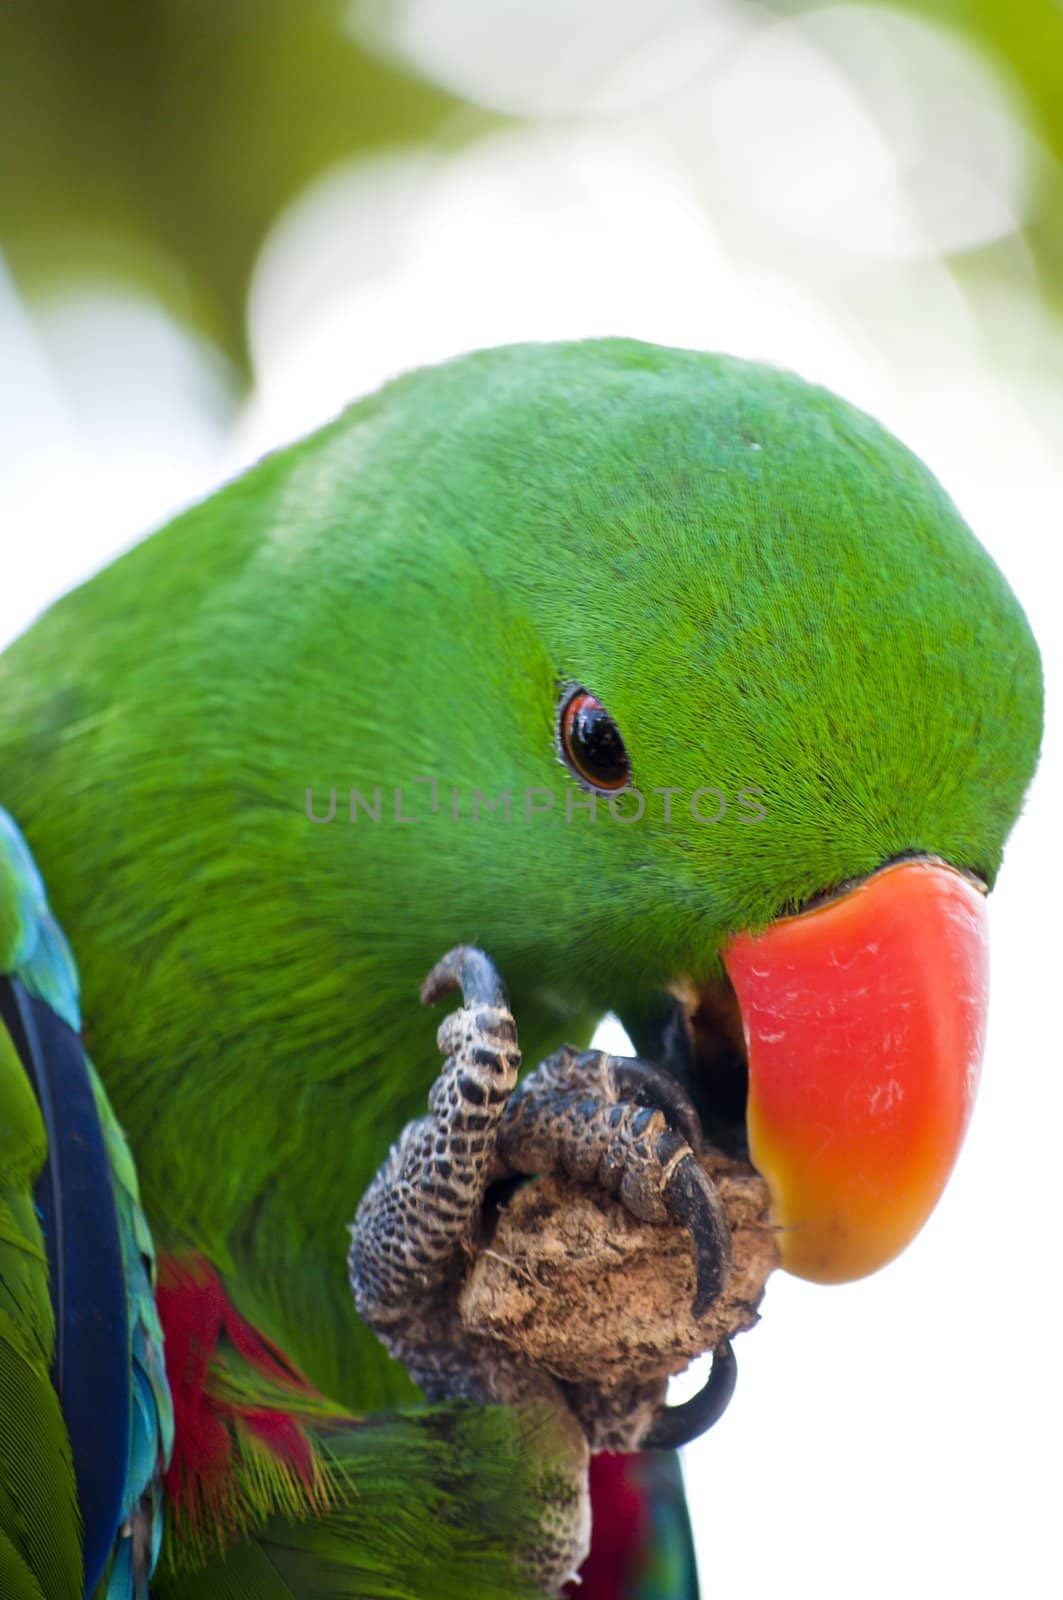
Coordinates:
(676, 684)
(738, 712)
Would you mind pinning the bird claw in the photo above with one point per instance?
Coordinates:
(626, 1125)
(469, 970)
(647, 1085)
(693, 1202)
(674, 1426)
(620, 1123)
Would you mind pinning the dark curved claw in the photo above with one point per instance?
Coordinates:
(693, 1202)
(648, 1085)
(677, 1425)
(470, 970)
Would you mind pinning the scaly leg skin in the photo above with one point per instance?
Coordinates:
(411, 1237)
(600, 1119)
(416, 1222)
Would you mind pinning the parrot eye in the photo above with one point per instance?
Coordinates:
(590, 742)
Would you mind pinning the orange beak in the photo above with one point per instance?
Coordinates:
(864, 1022)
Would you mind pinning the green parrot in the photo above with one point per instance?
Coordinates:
(673, 683)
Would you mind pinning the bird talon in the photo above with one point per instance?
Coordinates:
(678, 1425)
(647, 1085)
(693, 1202)
(469, 970)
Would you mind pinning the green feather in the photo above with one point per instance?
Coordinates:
(434, 1503)
(40, 1534)
(152, 1422)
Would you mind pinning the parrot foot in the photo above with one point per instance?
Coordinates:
(629, 1127)
(621, 1124)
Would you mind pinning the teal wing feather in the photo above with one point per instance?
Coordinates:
(151, 1417)
(32, 946)
(40, 1522)
(668, 1569)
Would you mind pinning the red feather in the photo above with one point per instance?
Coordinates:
(196, 1315)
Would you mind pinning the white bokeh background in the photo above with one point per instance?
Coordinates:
(778, 190)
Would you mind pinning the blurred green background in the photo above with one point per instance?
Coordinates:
(158, 140)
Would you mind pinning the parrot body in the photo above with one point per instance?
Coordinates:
(261, 763)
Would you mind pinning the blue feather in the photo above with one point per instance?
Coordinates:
(75, 1199)
(108, 1367)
